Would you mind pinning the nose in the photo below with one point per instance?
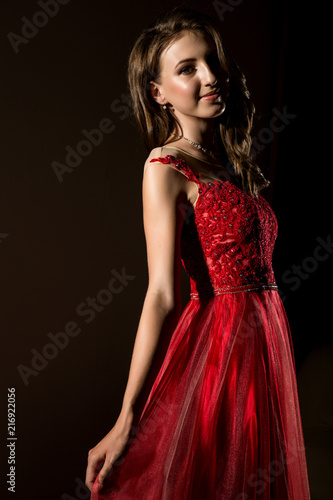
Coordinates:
(209, 75)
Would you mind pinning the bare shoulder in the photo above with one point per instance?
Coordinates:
(154, 153)
(161, 168)
(161, 152)
(163, 177)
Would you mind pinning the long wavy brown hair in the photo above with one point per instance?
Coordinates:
(233, 127)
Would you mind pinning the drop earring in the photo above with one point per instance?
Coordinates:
(164, 106)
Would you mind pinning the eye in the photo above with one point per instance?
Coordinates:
(186, 70)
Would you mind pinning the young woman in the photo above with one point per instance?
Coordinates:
(222, 419)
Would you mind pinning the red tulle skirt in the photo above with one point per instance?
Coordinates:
(222, 420)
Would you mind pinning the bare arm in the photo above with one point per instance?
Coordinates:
(163, 190)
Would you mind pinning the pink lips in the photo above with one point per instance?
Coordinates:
(210, 97)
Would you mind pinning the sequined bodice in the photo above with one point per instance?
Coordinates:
(227, 239)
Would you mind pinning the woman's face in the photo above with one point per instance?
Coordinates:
(190, 69)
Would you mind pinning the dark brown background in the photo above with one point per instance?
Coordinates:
(59, 241)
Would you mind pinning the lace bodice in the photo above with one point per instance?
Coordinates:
(227, 239)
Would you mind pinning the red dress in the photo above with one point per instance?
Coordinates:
(222, 420)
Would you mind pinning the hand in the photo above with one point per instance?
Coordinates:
(107, 451)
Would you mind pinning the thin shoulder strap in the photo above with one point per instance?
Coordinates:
(180, 165)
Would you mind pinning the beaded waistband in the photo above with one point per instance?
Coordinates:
(233, 289)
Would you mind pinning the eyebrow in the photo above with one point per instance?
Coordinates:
(185, 60)
(191, 59)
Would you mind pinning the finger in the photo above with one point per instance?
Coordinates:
(104, 473)
(90, 478)
(92, 471)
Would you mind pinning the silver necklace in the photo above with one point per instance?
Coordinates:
(198, 146)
